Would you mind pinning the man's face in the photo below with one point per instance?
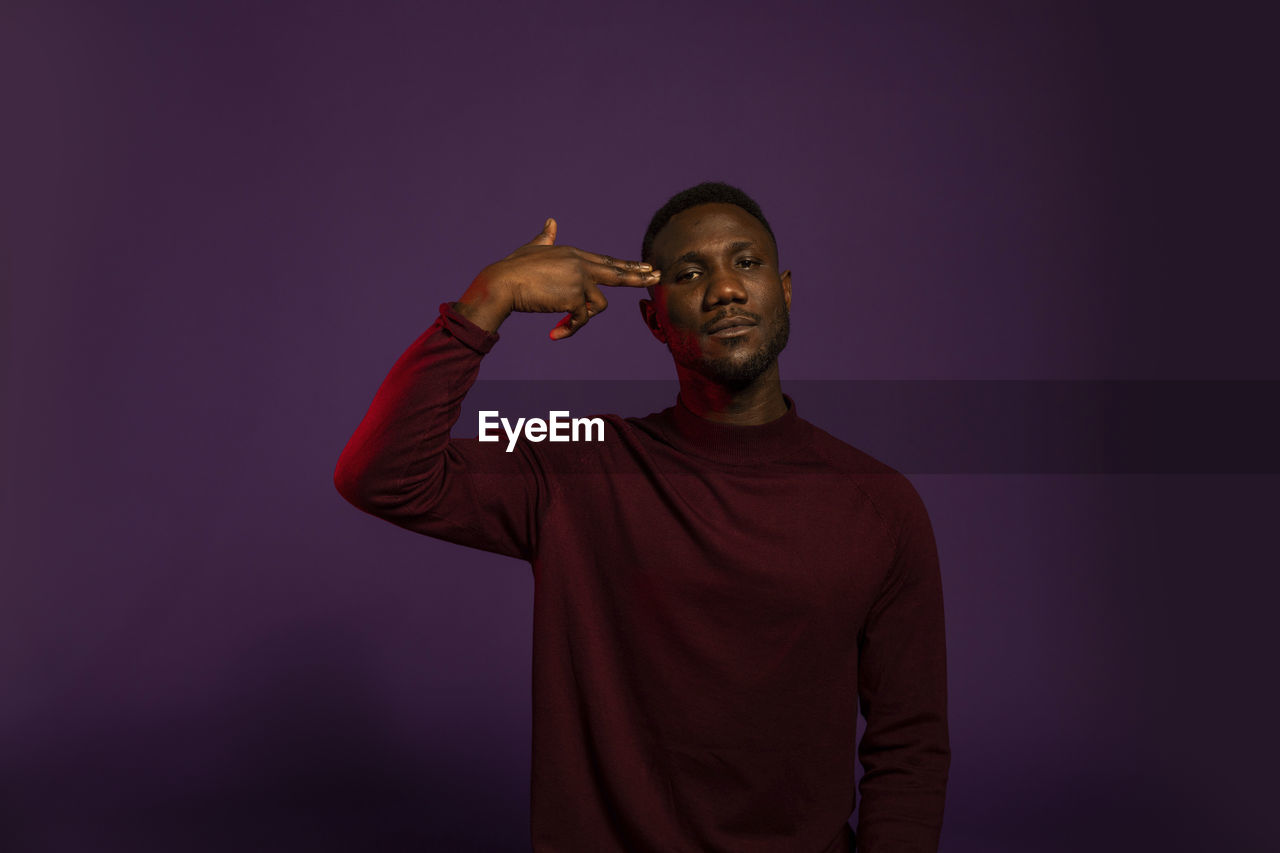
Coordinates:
(722, 308)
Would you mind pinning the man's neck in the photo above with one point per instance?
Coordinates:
(758, 403)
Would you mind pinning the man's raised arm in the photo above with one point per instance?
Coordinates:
(401, 464)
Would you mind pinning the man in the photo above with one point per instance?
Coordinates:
(718, 587)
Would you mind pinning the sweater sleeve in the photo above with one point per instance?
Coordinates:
(902, 689)
(402, 466)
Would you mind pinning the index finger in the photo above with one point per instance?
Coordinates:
(617, 276)
(610, 261)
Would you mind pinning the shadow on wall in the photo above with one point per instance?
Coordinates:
(296, 755)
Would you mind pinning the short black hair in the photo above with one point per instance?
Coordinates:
(707, 192)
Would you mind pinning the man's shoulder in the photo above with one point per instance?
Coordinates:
(847, 458)
(890, 490)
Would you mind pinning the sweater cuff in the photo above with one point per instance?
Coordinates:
(480, 340)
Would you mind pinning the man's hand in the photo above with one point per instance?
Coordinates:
(542, 277)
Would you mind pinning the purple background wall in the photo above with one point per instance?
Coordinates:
(222, 224)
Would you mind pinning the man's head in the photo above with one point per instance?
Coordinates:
(708, 192)
(723, 306)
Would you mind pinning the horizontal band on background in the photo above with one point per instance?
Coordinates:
(978, 426)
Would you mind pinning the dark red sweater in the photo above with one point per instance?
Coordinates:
(711, 605)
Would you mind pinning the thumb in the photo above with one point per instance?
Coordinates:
(547, 236)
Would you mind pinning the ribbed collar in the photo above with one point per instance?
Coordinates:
(733, 443)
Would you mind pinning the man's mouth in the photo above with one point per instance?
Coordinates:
(731, 327)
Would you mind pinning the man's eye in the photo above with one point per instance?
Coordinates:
(687, 274)
(749, 262)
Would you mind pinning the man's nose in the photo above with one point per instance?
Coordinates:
(725, 285)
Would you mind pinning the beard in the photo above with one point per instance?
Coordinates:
(735, 370)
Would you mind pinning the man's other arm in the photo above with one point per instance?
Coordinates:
(902, 690)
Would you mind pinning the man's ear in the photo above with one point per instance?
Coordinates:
(786, 288)
(649, 312)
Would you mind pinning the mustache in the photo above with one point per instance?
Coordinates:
(725, 315)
